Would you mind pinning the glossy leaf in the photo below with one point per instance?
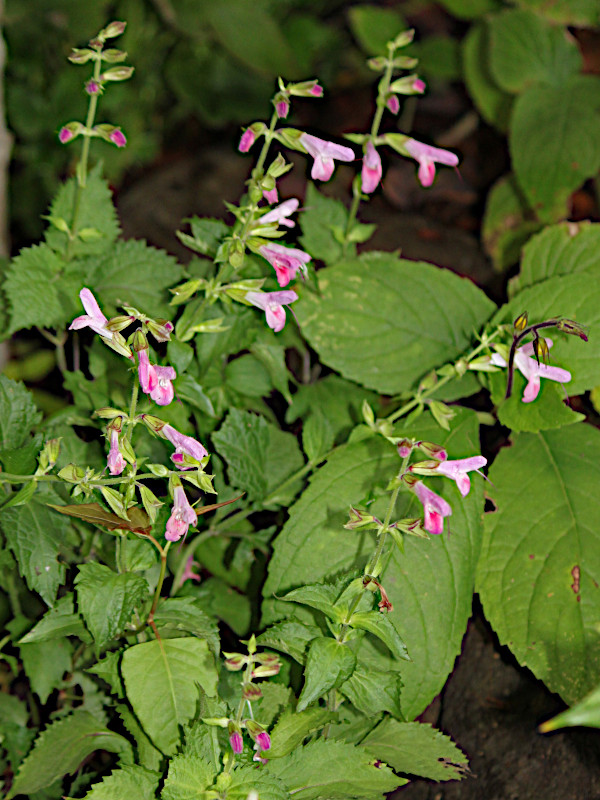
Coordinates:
(328, 665)
(293, 728)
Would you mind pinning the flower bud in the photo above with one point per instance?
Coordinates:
(117, 74)
(119, 323)
(81, 55)
(393, 104)
(139, 341)
(72, 473)
(358, 520)
(235, 738)
(235, 661)
(49, 454)
(251, 692)
(413, 527)
(113, 56)
(150, 501)
(403, 38)
(521, 322)
(433, 450)
(112, 30)
(119, 345)
(573, 328)
(306, 89)
(93, 87)
(282, 105)
(541, 351)
(70, 131)
(161, 329)
(153, 424)
(405, 447)
(409, 84)
(236, 254)
(258, 734)
(118, 138)
(266, 671)
(107, 413)
(377, 64)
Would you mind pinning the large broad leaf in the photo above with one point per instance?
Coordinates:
(507, 223)
(189, 775)
(328, 665)
(33, 289)
(45, 664)
(334, 770)
(559, 250)
(575, 297)
(247, 778)
(58, 622)
(125, 783)
(35, 535)
(322, 216)
(581, 13)
(416, 749)
(384, 321)
(526, 50)
(313, 545)
(292, 729)
(540, 564)
(60, 749)
(554, 143)
(18, 414)
(491, 101)
(161, 680)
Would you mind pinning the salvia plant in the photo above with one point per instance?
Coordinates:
(189, 616)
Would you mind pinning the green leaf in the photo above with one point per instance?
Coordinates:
(107, 599)
(470, 9)
(18, 414)
(226, 604)
(187, 388)
(317, 436)
(248, 376)
(321, 216)
(326, 768)
(313, 545)
(540, 560)
(125, 783)
(13, 710)
(581, 13)
(58, 622)
(559, 250)
(572, 296)
(247, 778)
(493, 104)
(272, 357)
(416, 749)
(60, 749)
(553, 142)
(45, 664)
(35, 535)
(122, 276)
(506, 223)
(32, 289)
(180, 355)
(291, 637)
(321, 596)
(525, 50)
(275, 698)
(586, 712)
(377, 321)
(188, 777)
(207, 234)
(328, 665)
(292, 729)
(374, 27)
(108, 669)
(96, 210)
(187, 614)
(372, 691)
(379, 625)
(161, 680)
(23, 460)
(146, 753)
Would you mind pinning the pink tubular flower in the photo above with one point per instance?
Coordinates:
(280, 214)
(316, 91)
(419, 85)
(427, 157)
(94, 318)
(272, 303)
(162, 393)
(65, 135)
(282, 107)
(435, 508)
(324, 153)
(236, 742)
(118, 137)
(271, 196)
(246, 141)
(183, 445)
(93, 87)
(371, 169)
(146, 372)
(263, 740)
(182, 516)
(533, 371)
(457, 470)
(393, 104)
(286, 261)
(188, 572)
(115, 461)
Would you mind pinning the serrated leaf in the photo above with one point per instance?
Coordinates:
(292, 729)
(35, 536)
(314, 545)
(540, 561)
(291, 637)
(246, 778)
(526, 50)
(161, 680)
(328, 665)
(60, 749)
(146, 753)
(356, 327)
(379, 625)
(188, 777)
(32, 289)
(207, 234)
(275, 697)
(317, 436)
(416, 749)
(107, 599)
(553, 142)
(18, 414)
(125, 783)
(319, 219)
(108, 669)
(187, 614)
(272, 357)
(321, 596)
(45, 665)
(139, 521)
(491, 101)
(372, 691)
(58, 622)
(334, 770)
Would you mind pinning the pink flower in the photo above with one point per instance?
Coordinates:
(115, 461)
(419, 86)
(371, 169)
(162, 393)
(146, 372)
(93, 87)
(316, 91)
(247, 140)
(457, 470)
(184, 445)
(533, 371)
(279, 214)
(188, 573)
(324, 153)
(65, 135)
(118, 137)
(182, 516)
(435, 507)
(393, 104)
(236, 742)
(271, 196)
(427, 157)
(272, 303)
(94, 318)
(286, 261)
(282, 107)
(263, 740)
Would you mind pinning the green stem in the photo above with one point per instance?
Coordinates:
(161, 578)
(132, 409)
(13, 593)
(257, 174)
(8, 477)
